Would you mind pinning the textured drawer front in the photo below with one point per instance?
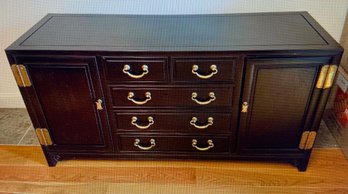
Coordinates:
(172, 97)
(180, 122)
(136, 70)
(204, 70)
(134, 143)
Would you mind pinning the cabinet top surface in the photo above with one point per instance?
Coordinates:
(223, 32)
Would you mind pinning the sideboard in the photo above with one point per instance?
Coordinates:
(218, 87)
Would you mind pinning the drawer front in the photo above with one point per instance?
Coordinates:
(204, 70)
(134, 143)
(180, 122)
(136, 70)
(172, 97)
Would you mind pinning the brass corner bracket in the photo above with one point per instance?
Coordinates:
(21, 75)
(307, 140)
(326, 76)
(43, 136)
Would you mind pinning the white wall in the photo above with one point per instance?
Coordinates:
(17, 16)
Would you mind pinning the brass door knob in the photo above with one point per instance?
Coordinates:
(245, 106)
(99, 104)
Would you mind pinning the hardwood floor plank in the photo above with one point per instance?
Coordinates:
(23, 169)
(53, 187)
(271, 178)
(22, 155)
(142, 188)
(95, 173)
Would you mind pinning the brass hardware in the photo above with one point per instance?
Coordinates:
(245, 106)
(17, 75)
(21, 75)
(307, 140)
(322, 76)
(135, 119)
(131, 95)
(330, 76)
(126, 70)
(99, 104)
(152, 144)
(213, 68)
(303, 141)
(194, 120)
(210, 145)
(310, 140)
(43, 136)
(211, 95)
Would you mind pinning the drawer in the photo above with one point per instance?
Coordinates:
(136, 70)
(172, 97)
(139, 143)
(204, 70)
(178, 122)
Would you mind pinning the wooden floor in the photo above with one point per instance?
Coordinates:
(23, 170)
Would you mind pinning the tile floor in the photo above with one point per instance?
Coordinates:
(16, 128)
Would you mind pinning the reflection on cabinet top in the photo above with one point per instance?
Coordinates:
(220, 32)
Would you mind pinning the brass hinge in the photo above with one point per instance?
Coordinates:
(307, 140)
(21, 75)
(322, 76)
(43, 136)
(326, 76)
(330, 76)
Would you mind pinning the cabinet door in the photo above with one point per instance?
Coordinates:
(282, 96)
(63, 96)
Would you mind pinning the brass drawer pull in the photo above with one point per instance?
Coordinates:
(194, 120)
(210, 145)
(152, 144)
(213, 68)
(127, 69)
(135, 119)
(130, 97)
(211, 95)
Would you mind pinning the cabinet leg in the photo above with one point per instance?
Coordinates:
(302, 163)
(51, 159)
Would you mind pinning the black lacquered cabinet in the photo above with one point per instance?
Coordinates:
(176, 87)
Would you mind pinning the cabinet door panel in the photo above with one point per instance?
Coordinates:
(281, 95)
(66, 92)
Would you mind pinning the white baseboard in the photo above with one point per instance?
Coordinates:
(11, 100)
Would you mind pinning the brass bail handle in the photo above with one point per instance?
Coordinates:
(211, 99)
(127, 70)
(131, 95)
(213, 69)
(210, 145)
(150, 122)
(152, 144)
(194, 121)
